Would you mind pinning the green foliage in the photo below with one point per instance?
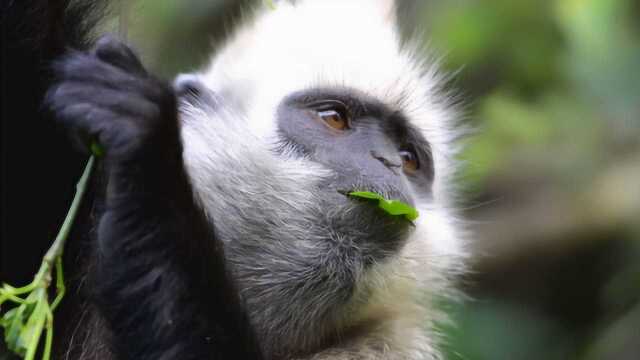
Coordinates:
(23, 325)
(554, 93)
(542, 76)
(96, 149)
(392, 207)
(515, 333)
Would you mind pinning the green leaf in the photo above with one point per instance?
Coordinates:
(367, 195)
(8, 317)
(96, 149)
(31, 332)
(392, 207)
(13, 323)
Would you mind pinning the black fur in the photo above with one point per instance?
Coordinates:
(39, 167)
(151, 283)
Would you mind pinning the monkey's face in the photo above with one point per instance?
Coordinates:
(304, 254)
(365, 146)
(293, 113)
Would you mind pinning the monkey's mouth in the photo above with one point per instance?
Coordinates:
(391, 207)
(375, 233)
(386, 192)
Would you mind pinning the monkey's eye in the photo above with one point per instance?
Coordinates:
(334, 119)
(333, 113)
(410, 163)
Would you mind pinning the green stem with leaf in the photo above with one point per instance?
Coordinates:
(32, 313)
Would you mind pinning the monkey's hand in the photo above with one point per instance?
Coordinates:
(161, 280)
(107, 96)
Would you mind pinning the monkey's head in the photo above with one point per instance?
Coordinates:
(308, 102)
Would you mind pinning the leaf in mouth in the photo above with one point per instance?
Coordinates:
(392, 207)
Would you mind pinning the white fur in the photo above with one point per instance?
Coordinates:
(320, 43)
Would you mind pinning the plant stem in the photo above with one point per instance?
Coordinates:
(58, 245)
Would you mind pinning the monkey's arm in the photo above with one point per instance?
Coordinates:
(160, 279)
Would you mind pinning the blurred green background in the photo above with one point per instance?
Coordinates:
(552, 178)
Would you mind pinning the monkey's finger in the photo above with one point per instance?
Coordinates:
(77, 121)
(113, 51)
(117, 101)
(88, 68)
(86, 123)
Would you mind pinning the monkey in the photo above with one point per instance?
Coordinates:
(224, 228)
